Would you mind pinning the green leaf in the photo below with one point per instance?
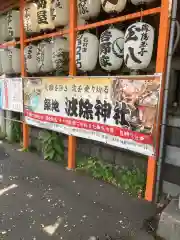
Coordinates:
(59, 149)
(50, 155)
(52, 145)
(16, 131)
(44, 135)
(47, 148)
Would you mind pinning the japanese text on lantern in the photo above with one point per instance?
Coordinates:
(137, 33)
(82, 7)
(42, 12)
(105, 48)
(27, 22)
(81, 48)
(144, 39)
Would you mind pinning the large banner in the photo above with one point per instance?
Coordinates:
(12, 92)
(118, 111)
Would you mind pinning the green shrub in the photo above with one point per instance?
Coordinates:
(132, 180)
(52, 145)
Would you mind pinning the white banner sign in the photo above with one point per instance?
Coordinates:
(12, 94)
(115, 110)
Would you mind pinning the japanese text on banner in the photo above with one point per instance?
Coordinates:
(12, 94)
(117, 111)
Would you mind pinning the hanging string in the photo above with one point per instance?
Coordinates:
(141, 12)
(111, 26)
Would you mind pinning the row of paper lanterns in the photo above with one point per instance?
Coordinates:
(45, 57)
(48, 14)
(34, 21)
(88, 9)
(134, 48)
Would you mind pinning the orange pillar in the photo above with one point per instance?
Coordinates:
(23, 71)
(72, 72)
(162, 49)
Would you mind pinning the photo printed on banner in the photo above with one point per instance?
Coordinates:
(113, 110)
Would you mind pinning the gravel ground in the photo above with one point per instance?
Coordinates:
(42, 200)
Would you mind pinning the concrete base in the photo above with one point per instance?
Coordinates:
(9, 126)
(169, 224)
(142, 235)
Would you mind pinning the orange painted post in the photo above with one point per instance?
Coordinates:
(23, 71)
(160, 68)
(72, 72)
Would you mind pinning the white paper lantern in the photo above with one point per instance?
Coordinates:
(88, 8)
(30, 18)
(6, 61)
(16, 61)
(111, 6)
(140, 2)
(138, 46)
(4, 28)
(44, 14)
(43, 57)
(81, 21)
(30, 52)
(111, 49)
(60, 12)
(60, 54)
(87, 46)
(1, 32)
(13, 24)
